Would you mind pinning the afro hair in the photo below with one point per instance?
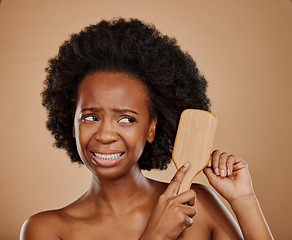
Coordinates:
(131, 46)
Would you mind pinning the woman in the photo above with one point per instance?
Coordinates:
(114, 95)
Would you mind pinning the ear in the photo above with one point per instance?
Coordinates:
(152, 128)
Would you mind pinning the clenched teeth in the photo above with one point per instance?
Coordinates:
(107, 156)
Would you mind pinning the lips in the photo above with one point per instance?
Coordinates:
(106, 159)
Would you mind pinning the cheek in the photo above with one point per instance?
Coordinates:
(136, 142)
(139, 149)
(81, 141)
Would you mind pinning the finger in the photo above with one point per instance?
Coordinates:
(174, 185)
(189, 221)
(211, 176)
(215, 162)
(189, 210)
(188, 197)
(239, 164)
(222, 164)
(185, 220)
(229, 164)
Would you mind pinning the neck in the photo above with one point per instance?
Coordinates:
(122, 194)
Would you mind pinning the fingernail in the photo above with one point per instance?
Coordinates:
(217, 171)
(228, 172)
(209, 163)
(186, 164)
(222, 173)
(190, 219)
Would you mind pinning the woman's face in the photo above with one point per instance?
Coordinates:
(112, 122)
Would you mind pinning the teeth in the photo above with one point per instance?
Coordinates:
(108, 156)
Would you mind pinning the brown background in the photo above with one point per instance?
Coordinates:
(242, 47)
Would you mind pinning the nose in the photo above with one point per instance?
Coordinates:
(106, 133)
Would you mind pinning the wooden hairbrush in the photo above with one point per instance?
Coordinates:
(193, 143)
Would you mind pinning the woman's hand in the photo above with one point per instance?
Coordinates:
(229, 176)
(173, 213)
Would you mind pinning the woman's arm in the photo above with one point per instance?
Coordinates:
(251, 219)
(230, 178)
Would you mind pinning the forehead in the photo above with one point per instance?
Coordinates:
(112, 89)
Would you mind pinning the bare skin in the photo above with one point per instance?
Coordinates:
(112, 119)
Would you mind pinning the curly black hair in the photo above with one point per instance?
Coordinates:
(131, 46)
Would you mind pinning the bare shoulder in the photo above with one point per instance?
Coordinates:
(42, 226)
(210, 207)
(210, 203)
(205, 195)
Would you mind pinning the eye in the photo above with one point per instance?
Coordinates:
(89, 118)
(127, 120)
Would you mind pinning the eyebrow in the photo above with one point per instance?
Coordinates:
(118, 110)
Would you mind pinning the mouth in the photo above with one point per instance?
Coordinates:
(106, 160)
(108, 156)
